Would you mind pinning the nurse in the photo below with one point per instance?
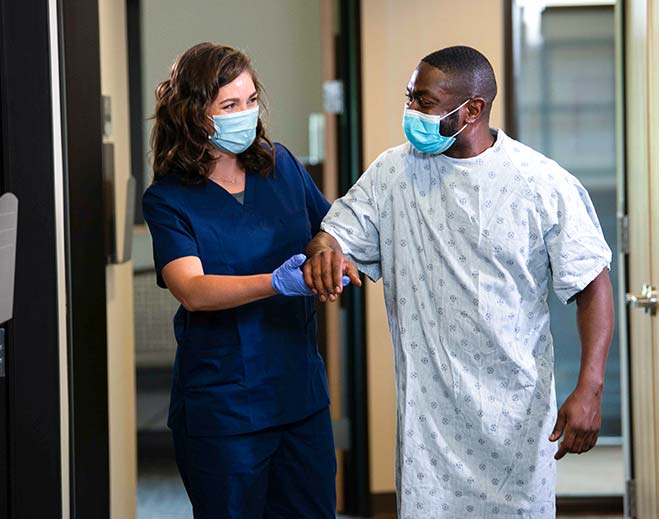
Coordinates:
(230, 214)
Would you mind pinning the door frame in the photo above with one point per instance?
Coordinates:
(621, 189)
(356, 465)
(80, 83)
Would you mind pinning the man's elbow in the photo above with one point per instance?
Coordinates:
(601, 285)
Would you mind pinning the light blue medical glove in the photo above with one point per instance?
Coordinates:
(288, 279)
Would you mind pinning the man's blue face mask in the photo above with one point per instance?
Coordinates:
(422, 130)
(235, 132)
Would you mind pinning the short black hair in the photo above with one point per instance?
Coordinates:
(470, 71)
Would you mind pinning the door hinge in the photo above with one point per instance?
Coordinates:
(630, 499)
(624, 233)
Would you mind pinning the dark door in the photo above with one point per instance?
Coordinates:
(58, 183)
(29, 392)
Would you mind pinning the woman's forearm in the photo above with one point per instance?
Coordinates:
(210, 292)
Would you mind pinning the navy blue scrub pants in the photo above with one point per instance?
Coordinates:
(284, 472)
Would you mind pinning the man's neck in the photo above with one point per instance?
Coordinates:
(472, 144)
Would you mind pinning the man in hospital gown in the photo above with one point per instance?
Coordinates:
(466, 233)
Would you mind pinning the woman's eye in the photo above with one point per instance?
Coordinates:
(253, 100)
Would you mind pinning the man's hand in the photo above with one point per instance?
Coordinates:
(580, 418)
(326, 266)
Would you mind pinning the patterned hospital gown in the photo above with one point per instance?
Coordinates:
(466, 248)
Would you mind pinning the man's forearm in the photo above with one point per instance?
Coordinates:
(322, 241)
(326, 266)
(595, 320)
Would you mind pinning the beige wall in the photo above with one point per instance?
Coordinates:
(119, 278)
(395, 36)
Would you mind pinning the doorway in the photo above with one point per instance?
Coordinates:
(299, 56)
(565, 107)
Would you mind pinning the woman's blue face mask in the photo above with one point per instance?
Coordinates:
(235, 132)
(422, 130)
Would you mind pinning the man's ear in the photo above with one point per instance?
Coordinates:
(475, 107)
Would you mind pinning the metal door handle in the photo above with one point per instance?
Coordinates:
(647, 300)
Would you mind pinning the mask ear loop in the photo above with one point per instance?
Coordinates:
(456, 109)
(452, 112)
(214, 127)
(460, 130)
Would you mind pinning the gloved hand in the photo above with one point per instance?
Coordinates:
(288, 279)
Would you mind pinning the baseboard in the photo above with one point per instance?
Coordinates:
(385, 503)
(590, 504)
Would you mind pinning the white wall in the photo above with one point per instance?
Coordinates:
(396, 34)
(119, 278)
(282, 37)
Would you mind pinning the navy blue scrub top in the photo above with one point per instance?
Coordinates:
(257, 365)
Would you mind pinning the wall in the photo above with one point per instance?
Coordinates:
(119, 278)
(395, 36)
(282, 38)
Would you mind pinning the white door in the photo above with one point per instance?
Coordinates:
(641, 52)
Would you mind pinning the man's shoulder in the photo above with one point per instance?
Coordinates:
(391, 157)
(523, 156)
(535, 167)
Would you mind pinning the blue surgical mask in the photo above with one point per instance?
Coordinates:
(235, 132)
(422, 130)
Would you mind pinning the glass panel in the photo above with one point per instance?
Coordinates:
(567, 111)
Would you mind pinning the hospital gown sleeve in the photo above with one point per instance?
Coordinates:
(573, 237)
(354, 221)
(171, 235)
(317, 204)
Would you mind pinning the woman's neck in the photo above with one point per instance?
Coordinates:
(228, 173)
(226, 167)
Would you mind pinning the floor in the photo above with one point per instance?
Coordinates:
(160, 495)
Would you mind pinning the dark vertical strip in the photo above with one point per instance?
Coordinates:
(4, 445)
(134, 32)
(621, 32)
(90, 489)
(356, 479)
(30, 398)
(511, 64)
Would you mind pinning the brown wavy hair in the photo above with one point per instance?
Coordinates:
(179, 139)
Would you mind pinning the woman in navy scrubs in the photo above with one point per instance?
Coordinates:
(230, 214)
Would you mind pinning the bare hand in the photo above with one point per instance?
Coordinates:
(580, 418)
(323, 273)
